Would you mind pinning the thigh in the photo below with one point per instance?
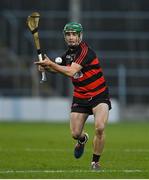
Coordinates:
(101, 114)
(77, 121)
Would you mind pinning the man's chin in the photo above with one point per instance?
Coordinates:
(72, 45)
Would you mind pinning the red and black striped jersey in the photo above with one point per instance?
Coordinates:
(90, 81)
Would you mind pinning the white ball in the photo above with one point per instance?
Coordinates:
(58, 60)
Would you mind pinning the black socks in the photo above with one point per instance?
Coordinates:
(95, 158)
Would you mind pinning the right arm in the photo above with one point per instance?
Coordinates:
(66, 70)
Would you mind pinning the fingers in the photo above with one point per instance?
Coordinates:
(41, 63)
(40, 68)
(38, 62)
(46, 57)
(45, 63)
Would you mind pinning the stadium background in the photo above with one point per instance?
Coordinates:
(118, 31)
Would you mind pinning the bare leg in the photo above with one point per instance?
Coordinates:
(101, 113)
(77, 121)
(76, 125)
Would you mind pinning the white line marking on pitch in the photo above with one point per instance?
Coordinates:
(67, 150)
(74, 171)
(136, 150)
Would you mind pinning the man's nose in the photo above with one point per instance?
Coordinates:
(71, 36)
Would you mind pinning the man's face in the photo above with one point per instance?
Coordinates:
(72, 39)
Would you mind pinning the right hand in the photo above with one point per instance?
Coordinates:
(45, 64)
(41, 68)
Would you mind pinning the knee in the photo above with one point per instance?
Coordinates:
(99, 129)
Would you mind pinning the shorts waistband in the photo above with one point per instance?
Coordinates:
(103, 95)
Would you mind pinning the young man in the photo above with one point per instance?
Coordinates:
(90, 94)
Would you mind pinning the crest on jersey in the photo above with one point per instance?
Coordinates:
(78, 75)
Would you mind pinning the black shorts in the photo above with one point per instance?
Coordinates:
(87, 105)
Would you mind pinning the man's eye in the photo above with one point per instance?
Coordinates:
(67, 34)
(74, 33)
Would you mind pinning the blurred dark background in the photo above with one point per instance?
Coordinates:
(117, 30)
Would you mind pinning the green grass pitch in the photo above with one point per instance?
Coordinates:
(45, 150)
